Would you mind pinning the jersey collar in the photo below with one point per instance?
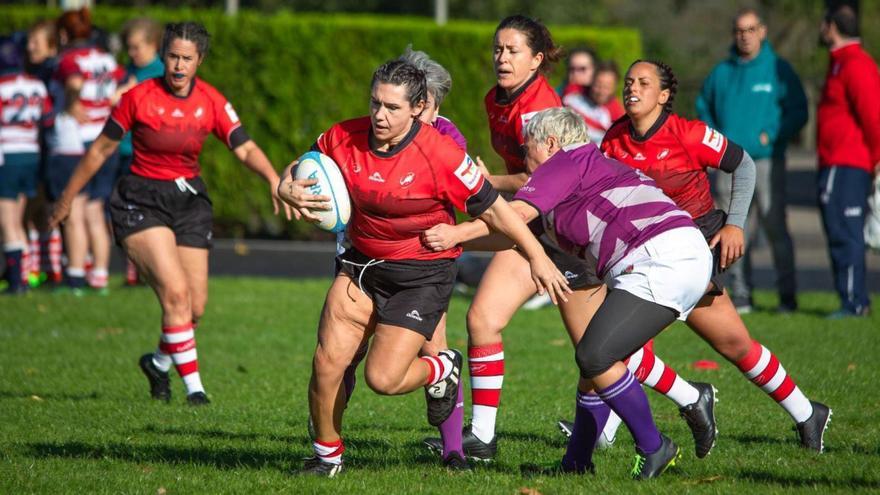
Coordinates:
(413, 130)
(653, 130)
(170, 91)
(501, 97)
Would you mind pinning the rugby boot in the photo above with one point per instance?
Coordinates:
(160, 385)
(473, 448)
(653, 465)
(315, 466)
(565, 427)
(700, 417)
(455, 462)
(442, 396)
(197, 399)
(812, 431)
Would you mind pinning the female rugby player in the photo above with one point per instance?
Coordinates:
(402, 177)
(523, 50)
(675, 152)
(161, 213)
(90, 76)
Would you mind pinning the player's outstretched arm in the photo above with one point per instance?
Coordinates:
(253, 158)
(88, 166)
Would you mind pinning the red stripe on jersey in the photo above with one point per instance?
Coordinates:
(784, 390)
(751, 359)
(479, 351)
(187, 368)
(666, 380)
(488, 368)
(486, 397)
(767, 374)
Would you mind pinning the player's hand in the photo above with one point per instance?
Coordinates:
(440, 237)
(295, 193)
(483, 168)
(764, 138)
(732, 243)
(549, 279)
(60, 212)
(277, 203)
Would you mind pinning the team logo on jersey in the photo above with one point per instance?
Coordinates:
(199, 112)
(622, 155)
(377, 177)
(713, 139)
(639, 156)
(663, 154)
(468, 173)
(407, 180)
(160, 110)
(570, 276)
(230, 112)
(356, 168)
(177, 113)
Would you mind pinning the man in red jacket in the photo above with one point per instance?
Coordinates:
(849, 154)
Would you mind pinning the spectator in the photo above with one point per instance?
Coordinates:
(754, 77)
(597, 104)
(848, 145)
(581, 65)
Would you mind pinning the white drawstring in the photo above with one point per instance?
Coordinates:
(364, 267)
(184, 186)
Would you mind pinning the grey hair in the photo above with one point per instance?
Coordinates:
(562, 123)
(436, 76)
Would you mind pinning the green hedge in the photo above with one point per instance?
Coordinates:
(291, 76)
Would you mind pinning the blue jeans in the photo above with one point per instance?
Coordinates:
(843, 201)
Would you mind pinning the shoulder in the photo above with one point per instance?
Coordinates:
(343, 131)
(435, 144)
(207, 90)
(617, 129)
(540, 96)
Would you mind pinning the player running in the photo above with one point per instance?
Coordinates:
(161, 213)
(524, 50)
(676, 152)
(402, 176)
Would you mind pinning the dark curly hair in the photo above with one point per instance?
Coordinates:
(537, 37)
(189, 31)
(400, 73)
(667, 79)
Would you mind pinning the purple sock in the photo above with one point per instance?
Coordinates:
(450, 430)
(589, 419)
(349, 379)
(629, 401)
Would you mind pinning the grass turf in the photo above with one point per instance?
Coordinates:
(75, 415)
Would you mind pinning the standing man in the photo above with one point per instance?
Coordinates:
(848, 145)
(756, 100)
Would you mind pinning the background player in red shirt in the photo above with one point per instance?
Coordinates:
(403, 177)
(161, 212)
(675, 152)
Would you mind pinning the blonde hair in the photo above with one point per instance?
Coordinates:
(560, 122)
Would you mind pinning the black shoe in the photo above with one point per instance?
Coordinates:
(556, 469)
(315, 466)
(197, 399)
(812, 431)
(700, 417)
(160, 386)
(652, 465)
(455, 462)
(565, 427)
(442, 396)
(473, 448)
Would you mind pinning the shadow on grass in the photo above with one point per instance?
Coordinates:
(807, 481)
(5, 394)
(761, 439)
(292, 440)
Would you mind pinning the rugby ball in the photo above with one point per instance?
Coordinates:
(314, 165)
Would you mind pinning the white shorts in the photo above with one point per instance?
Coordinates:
(672, 270)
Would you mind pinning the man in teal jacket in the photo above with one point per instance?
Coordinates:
(756, 99)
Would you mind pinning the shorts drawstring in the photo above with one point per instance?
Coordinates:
(363, 266)
(184, 186)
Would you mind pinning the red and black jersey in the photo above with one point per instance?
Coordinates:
(508, 116)
(100, 74)
(168, 131)
(399, 194)
(675, 152)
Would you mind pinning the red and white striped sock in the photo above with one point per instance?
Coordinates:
(180, 343)
(34, 249)
(131, 272)
(25, 263)
(329, 452)
(764, 370)
(650, 370)
(439, 368)
(55, 250)
(486, 363)
(98, 278)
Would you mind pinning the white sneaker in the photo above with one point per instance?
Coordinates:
(537, 302)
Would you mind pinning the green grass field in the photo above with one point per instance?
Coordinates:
(75, 415)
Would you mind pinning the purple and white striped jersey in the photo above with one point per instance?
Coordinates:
(597, 208)
(447, 128)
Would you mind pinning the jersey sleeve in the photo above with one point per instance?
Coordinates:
(121, 118)
(550, 184)
(710, 148)
(226, 123)
(466, 188)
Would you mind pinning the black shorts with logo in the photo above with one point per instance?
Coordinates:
(138, 203)
(709, 225)
(412, 294)
(578, 272)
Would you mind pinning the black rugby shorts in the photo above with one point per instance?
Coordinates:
(709, 225)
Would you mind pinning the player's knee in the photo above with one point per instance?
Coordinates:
(484, 322)
(381, 381)
(175, 300)
(734, 348)
(592, 360)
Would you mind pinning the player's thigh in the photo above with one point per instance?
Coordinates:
(154, 252)
(346, 321)
(505, 286)
(438, 341)
(391, 354)
(194, 262)
(580, 308)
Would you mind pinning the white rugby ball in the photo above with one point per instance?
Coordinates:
(314, 165)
